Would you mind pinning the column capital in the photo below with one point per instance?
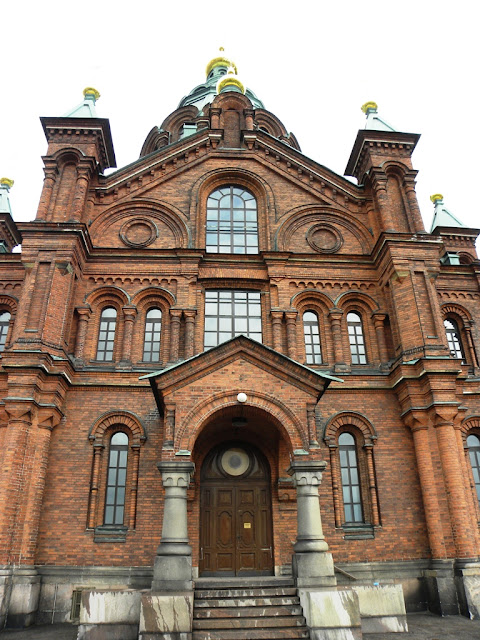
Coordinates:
(129, 312)
(277, 315)
(189, 314)
(84, 311)
(335, 312)
(307, 472)
(291, 316)
(176, 315)
(176, 473)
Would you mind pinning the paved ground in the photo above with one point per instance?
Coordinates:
(422, 626)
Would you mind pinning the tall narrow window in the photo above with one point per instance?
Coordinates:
(116, 479)
(312, 338)
(232, 313)
(232, 225)
(473, 444)
(352, 501)
(106, 334)
(356, 338)
(4, 324)
(153, 329)
(453, 339)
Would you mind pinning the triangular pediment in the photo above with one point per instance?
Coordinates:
(256, 358)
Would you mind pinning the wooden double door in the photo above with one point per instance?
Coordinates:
(235, 513)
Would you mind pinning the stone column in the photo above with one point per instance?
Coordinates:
(175, 319)
(372, 487)
(277, 317)
(378, 321)
(416, 216)
(135, 448)
(189, 332)
(335, 316)
(48, 185)
(92, 508)
(467, 325)
(80, 194)
(312, 563)
(291, 318)
(172, 570)
(83, 317)
(129, 315)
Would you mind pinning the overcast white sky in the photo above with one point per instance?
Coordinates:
(312, 63)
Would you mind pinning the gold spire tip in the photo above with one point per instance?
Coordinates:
(90, 91)
(369, 105)
(436, 197)
(6, 182)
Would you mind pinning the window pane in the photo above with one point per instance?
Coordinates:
(233, 313)
(116, 479)
(227, 210)
(351, 490)
(473, 443)
(311, 332)
(356, 338)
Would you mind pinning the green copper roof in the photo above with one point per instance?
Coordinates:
(85, 109)
(205, 93)
(370, 109)
(442, 216)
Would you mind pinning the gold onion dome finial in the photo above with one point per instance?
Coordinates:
(90, 91)
(220, 61)
(6, 182)
(230, 81)
(436, 197)
(370, 105)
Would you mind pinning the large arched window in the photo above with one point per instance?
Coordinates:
(356, 338)
(352, 499)
(232, 225)
(4, 324)
(453, 338)
(311, 332)
(106, 334)
(473, 444)
(116, 479)
(153, 329)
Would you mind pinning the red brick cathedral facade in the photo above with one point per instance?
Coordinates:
(231, 312)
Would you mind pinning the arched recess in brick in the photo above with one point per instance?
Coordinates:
(364, 306)
(175, 121)
(232, 176)
(112, 225)
(320, 304)
(144, 301)
(268, 122)
(343, 233)
(365, 437)
(464, 321)
(291, 428)
(100, 435)
(98, 300)
(9, 304)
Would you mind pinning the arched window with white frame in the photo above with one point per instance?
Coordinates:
(153, 330)
(311, 331)
(116, 479)
(106, 334)
(356, 338)
(232, 223)
(5, 317)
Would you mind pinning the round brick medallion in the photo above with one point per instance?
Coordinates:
(139, 232)
(324, 238)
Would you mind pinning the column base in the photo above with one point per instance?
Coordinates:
(314, 569)
(5, 592)
(166, 616)
(442, 593)
(467, 582)
(24, 596)
(172, 573)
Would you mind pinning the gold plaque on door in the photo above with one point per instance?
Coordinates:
(247, 525)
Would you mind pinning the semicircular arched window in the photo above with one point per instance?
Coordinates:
(453, 338)
(473, 444)
(352, 498)
(311, 333)
(153, 329)
(356, 338)
(4, 324)
(232, 223)
(106, 334)
(116, 479)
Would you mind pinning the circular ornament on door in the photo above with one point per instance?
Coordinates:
(235, 461)
(139, 232)
(324, 238)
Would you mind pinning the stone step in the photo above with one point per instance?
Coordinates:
(247, 602)
(249, 623)
(245, 611)
(290, 633)
(245, 593)
(253, 582)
